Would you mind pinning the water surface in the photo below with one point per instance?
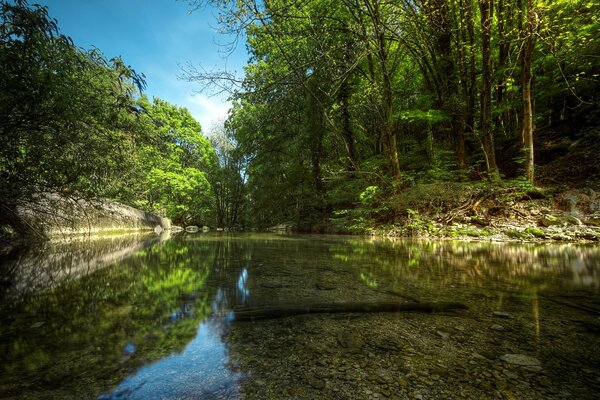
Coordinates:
(146, 317)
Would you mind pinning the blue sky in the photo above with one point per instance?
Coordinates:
(155, 37)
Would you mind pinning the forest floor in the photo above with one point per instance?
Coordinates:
(460, 211)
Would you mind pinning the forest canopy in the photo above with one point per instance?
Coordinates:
(347, 105)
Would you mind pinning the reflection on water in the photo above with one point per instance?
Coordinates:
(200, 369)
(147, 318)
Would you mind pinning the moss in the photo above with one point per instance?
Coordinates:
(515, 234)
(527, 233)
(548, 220)
(535, 232)
(569, 219)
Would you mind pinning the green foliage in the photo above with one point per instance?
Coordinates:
(67, 116)
(373, 108)
(175, 166)
(71, 123)
(416, 225)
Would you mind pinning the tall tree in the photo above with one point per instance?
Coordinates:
(528, 28)
(487, 130)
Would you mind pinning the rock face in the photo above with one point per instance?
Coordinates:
(52, 215)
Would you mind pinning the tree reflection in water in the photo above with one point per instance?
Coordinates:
(158, 324)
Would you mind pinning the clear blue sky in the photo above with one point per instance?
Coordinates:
(155, 37)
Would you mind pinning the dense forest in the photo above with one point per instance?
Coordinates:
(76, 123)
(351, 113)
(354, 108)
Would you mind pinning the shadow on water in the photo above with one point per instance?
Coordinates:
(147, 318)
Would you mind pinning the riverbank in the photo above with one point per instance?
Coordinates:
(463, 211)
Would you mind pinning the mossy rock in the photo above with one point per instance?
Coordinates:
(515, 234)
(527, 233)
(593, 219)
(550, 220)
(571, 220)
(535, 232)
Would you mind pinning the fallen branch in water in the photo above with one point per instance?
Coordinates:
(282, 311)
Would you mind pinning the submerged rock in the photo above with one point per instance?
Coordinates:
(520, 359)
(350, 341)
(442, 334)
(501, 314)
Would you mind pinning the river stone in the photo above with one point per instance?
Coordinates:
(520, 359)
(442, 334)
(350, 341)
(324, 285)
(498, 328)
(315, 382)
(501, 314)
(549, 220)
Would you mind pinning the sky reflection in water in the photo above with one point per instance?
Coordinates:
(201, 369)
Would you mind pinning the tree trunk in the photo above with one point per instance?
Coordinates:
(487, 132)
(386, 126)
(343, 96)
(466, 63)
(527, 97)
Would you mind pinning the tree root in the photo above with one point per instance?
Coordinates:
(282, 311)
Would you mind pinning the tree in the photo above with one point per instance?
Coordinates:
(175, 166)
(487, 134)
(68, 120)
(229, 179)
(528, 29)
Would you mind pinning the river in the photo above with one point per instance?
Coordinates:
(163, 318)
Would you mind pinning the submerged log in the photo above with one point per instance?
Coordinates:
(282, 311)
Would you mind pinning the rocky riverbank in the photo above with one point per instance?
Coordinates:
(460, 211)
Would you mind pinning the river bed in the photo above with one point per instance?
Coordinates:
(151, 317)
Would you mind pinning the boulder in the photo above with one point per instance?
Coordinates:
(53, 215)
(550, 220)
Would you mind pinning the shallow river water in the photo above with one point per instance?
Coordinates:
(167, 318)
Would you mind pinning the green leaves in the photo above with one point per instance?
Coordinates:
(71, 123)
(175, 166)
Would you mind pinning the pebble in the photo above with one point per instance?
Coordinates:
(442, 334)
(501, 314)
(316, 382)
(498, 328)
